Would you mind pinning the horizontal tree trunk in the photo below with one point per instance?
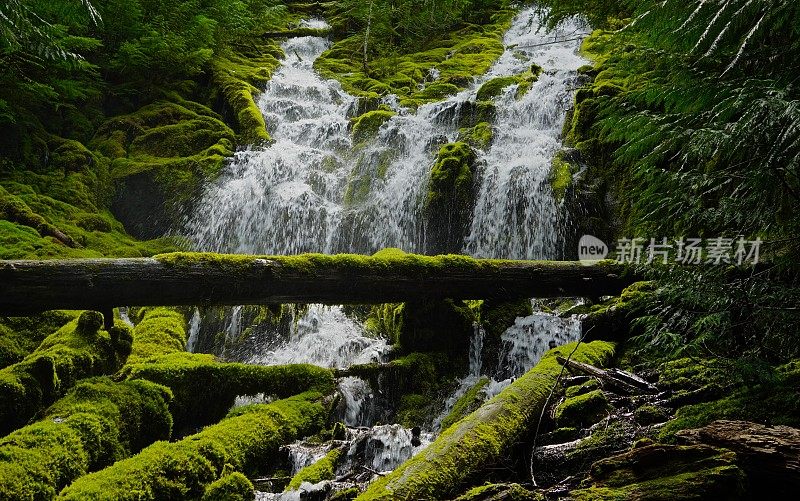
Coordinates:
(200, 279)
(484, 437)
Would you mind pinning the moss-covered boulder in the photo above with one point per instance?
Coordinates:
(582, 410)
(231, 487)
(248, 441)
(479, 137)
(365, 127)
(451, 196)
(97, 423)
(19, 336)
(78, 350)
(160, 157)
(656, 472)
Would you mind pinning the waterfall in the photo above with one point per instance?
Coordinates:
(314, 189)
(194, 331)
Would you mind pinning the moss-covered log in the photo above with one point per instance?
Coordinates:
(205, 389)
(484, 436)
(96, 424)
(78, 350)
(197, 278)
(246, 441)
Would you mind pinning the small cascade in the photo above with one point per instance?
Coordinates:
(324, 336)
(194, 331)
(358, 402)
(468, 381)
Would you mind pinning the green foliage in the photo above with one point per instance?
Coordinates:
(246, 441)
(97, 423)
(77, 350)
(691, 123)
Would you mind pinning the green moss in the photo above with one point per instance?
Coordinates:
(574, 391)
(246, 441)
(775, 401)
(414, 410)
(584, 409)
(77, 350)
(159, 331)
(479, 137)
(494, 87)
(365, 127)
(205, 389)
(97, 423)
(345, 495)
(458, 57)
(451, 196)
(665, 472)
(232, 487)
(19, 336)
(484, 436)
(324, 469)
(560, 177)
(489, 492)
(467, 404)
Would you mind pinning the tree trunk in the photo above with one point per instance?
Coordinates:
(201, 279)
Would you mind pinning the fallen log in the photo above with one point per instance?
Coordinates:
(201, 279)
(770, 455)
(484, 437)
(247, 442)
(617, 378)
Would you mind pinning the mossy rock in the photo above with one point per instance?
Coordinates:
(582, 410)
(581, 389)
(561, 175)
(451, 196)
(77, 350)
(366, 126)
(651, 414)
(494, 87)
(492, 492)
(479, 137)
(665, 472)
(97, 423)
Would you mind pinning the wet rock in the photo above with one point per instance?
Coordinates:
(582, 410)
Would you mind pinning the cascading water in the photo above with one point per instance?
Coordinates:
(313, 190)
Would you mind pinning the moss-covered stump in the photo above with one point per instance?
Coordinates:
(324, 469)
(483, 437)
(499, 492)
(161, 155)
(451, 195)
(97, 423)
(658, 472)
(19, 336)
(248, 441)
(78, 350)
(205, 389)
